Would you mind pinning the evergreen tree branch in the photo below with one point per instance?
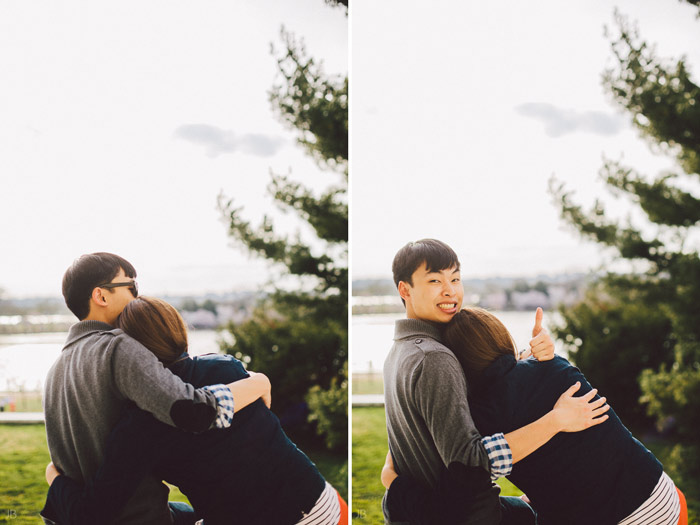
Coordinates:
(662, 202)
(313, 104)
(662, 98)
(696, 3)
(296, 256)
(594, 225)
(327, 214)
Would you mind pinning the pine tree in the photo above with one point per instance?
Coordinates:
(648, 320)
(298, 336)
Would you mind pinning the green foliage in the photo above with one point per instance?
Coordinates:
(682, 464)
(674, 393)
(612, 336)
(672, 396)
(329, 410)
(190, 305)
(659, 94)
(346, 2)
(650, 315)
(333, 466)
(313, 104)
(298, 334)
(316, 107)
(294, 351)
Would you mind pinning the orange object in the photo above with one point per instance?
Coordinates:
(683, 519)
(344, 511)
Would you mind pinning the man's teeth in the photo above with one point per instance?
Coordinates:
(447, 306)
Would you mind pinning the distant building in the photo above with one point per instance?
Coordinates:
(201, 319)
(494, 301)
(563, 295)
(236, 313)
(529, 300)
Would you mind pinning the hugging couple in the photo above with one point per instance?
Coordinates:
(464, 407)
(126, 407)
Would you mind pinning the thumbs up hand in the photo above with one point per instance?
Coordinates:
(539, 315)
(541, 344)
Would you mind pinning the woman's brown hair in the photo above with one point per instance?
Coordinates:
(477, 338)
(157, 326)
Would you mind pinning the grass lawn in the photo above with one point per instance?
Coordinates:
(369, 448)
(24, 456)
(22, 485)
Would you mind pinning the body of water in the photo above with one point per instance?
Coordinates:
(25, 359)
(372, 336)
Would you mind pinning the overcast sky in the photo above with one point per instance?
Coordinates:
(123, 121)
(462, 111)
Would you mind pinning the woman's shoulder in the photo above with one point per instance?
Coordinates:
(556, 373)
(217, 361)
(206, 358)
(539, 374)
(557, 362)
(210, 369)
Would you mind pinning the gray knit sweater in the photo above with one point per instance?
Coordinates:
(99, 370)
(427, 414)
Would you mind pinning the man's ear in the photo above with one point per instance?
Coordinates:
(98, 297)
(404, 290)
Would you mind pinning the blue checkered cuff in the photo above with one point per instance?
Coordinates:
(500, 457)
(224, 405)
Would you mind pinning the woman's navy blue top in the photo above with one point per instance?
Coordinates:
(597, 476)
(249, 473)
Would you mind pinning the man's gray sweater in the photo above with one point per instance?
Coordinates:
(99, 371)
(427, 414)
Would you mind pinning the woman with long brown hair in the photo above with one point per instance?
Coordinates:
(249, 473)
(602, 475)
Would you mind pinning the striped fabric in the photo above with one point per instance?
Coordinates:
(499, 454)
(224, 402)
(662, 508)
(326, 511)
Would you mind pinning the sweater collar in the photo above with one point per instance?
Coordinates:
(83, 328)
(409, 328)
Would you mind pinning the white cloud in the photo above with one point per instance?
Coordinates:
(561, 121)
(219, 141)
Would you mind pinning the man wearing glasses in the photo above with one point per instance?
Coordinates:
(101, 369)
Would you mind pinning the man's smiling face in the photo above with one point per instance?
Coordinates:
(433, 296)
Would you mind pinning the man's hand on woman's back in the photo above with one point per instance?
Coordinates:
(574, 414)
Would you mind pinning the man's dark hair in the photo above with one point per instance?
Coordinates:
(86, 273)
(436, 255)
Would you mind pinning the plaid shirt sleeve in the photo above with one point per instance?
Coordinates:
(499, 454)
(224, 405)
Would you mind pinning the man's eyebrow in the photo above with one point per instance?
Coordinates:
(439, 272)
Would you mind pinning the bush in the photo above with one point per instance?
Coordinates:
(673, 396)
(683, 465)
(329, 410)
(295, 351)
(612, 340)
